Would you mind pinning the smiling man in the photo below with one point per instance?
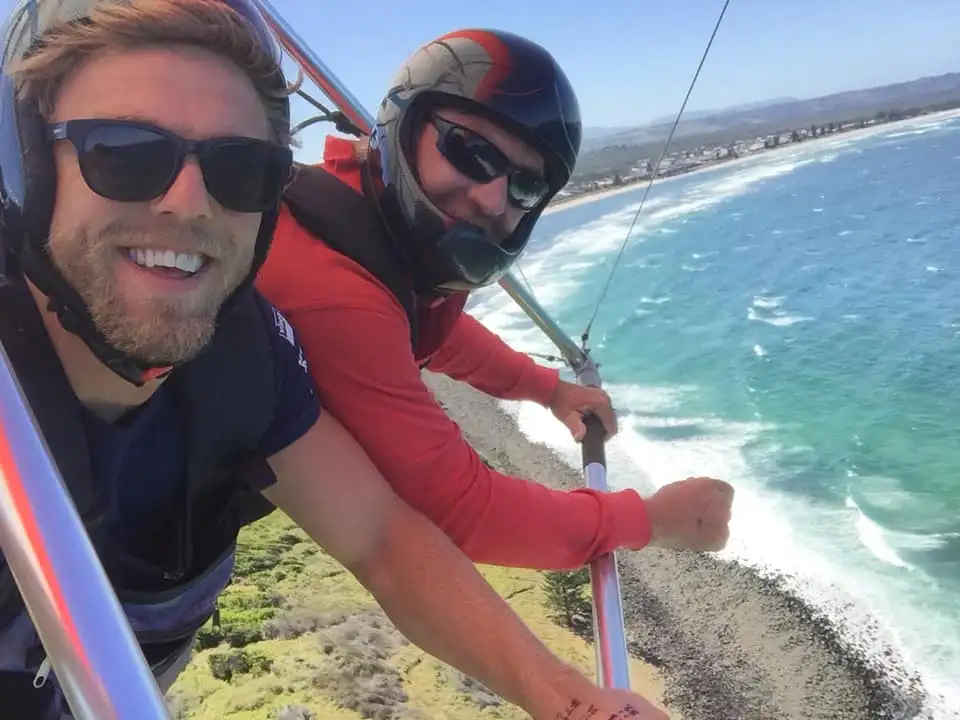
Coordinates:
(376, 252)
(145, 149)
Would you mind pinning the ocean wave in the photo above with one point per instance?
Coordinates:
(768, 302)
(862, 548)
(770, 532)
(873, 537)
(779, 319)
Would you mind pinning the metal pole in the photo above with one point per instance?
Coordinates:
(84, 631)
(612, 662)
(613, 668)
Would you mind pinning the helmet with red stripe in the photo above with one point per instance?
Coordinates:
(506, 79)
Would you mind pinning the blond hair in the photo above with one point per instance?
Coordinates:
(213, 26)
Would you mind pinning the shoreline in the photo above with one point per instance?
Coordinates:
(594, 195)
(727, 640)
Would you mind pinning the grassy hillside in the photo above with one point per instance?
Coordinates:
(301, 639)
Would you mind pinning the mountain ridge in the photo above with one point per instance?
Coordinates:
(783, 113)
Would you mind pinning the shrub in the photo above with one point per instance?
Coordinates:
(566, 596)
(227, 665)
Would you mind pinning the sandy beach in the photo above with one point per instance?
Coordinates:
(720, 641)
(565, 204)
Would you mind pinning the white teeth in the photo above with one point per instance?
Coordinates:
(188, 263)
(148, 257)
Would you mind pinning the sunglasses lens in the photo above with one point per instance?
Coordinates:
(472, 155)
(527, 189)
(127, 163)
(245, 175)
(480, 160)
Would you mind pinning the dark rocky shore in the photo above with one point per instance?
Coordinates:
(732, 644)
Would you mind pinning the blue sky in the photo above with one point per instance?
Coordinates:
(631, 60)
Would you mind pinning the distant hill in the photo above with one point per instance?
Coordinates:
(602, 150)
(701, 114)
(597, 134)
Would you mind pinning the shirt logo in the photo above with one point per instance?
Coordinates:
(284, 328)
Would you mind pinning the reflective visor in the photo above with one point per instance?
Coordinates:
(32, 18)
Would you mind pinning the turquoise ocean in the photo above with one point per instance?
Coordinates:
(789, 322)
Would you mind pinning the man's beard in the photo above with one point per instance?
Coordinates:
(158, 330)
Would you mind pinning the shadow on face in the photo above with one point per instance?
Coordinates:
(154, 274)
(485, 204)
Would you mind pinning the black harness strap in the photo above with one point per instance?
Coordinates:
(347, 222)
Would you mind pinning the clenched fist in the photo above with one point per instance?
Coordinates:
(692, 514)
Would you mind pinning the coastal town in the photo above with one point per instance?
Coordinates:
(683, 161)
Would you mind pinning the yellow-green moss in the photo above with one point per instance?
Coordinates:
(328, 647)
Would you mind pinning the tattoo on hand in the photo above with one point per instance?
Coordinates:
(577, 711)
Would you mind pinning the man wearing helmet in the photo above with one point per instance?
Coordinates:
(144, 154)
(478, 132)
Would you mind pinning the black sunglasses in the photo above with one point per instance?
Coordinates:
(480, 160)
(130, 161)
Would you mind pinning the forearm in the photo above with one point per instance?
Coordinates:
(438, 600)
(494, 518)
(475, 355)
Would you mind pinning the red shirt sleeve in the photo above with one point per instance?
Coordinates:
(474, 354)
(363, 365)
(356, 339)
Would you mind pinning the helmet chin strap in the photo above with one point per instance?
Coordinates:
(37, 265)
(132, 370)
(72, 314)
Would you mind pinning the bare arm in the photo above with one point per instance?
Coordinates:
(361, 361)
(430, 590)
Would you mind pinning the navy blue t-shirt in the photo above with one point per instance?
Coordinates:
(143, 460)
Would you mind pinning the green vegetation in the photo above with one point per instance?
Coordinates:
(566, 596)
(298, 638)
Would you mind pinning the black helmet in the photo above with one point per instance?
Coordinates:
(28, 176)
(504, 78)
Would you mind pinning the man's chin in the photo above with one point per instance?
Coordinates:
(161, 342)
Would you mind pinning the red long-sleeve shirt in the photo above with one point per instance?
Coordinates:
(356, 337)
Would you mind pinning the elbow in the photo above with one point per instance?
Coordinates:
(376, 567)
(374, 574)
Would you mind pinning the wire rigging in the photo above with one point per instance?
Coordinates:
(338, 118)
(586, 333)
(344, 125)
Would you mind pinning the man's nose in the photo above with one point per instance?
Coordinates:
(188, 197)
(490, 197)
